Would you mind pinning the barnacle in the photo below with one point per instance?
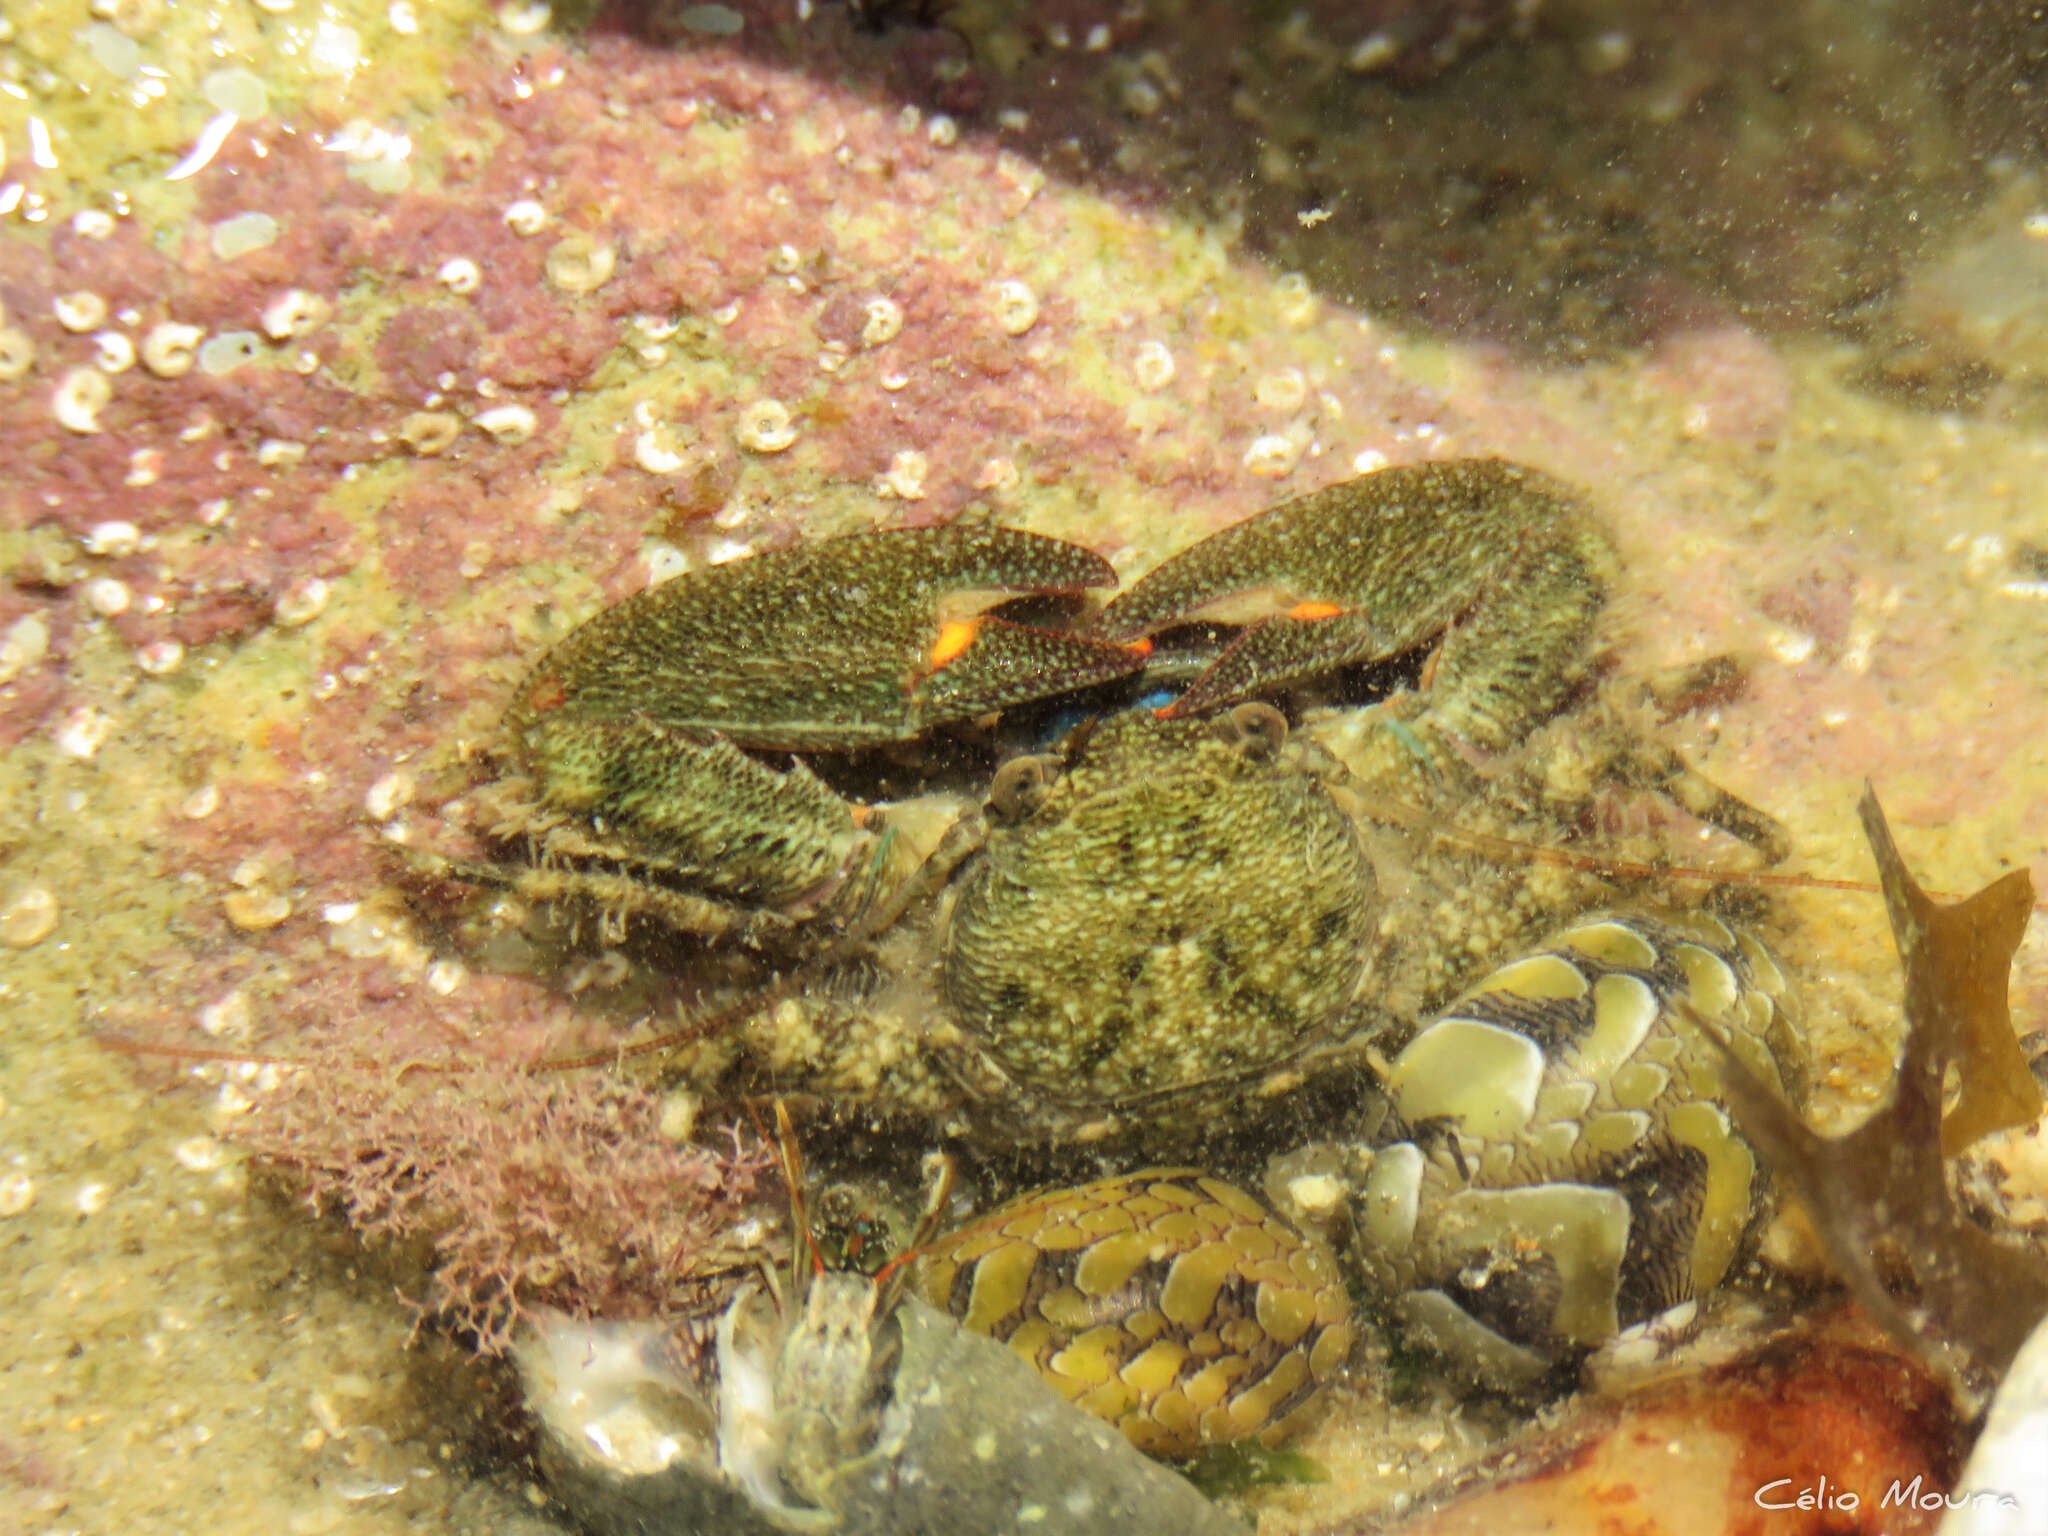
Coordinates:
(170, 348)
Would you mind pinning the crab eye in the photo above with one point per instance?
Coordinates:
(1258, 729)
(1019, 787)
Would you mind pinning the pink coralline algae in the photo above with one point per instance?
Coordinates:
(533, 1194)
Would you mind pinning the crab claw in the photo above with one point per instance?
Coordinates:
(845, 643)
(1498, 559)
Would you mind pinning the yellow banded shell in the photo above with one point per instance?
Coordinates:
(1167, 1301)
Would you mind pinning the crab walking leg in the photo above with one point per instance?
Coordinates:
(1654, 766)
(1499, 559)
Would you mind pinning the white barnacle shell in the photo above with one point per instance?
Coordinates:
(509, 424)
(525, 216)
(170, 348)
(766, 427)
(1015, 307)
(79, 398)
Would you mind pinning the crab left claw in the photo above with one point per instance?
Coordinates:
(852, 642)
(1499, 560)
(635, 786)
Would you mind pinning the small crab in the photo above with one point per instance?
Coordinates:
(841, 1404)
(1190, 923)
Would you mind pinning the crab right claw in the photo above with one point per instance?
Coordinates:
(1499, 560)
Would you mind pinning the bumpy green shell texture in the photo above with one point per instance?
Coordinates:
(1178, 907)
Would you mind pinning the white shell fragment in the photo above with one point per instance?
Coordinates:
(429, 432)
(884, 322)
(79, 312)
(2004, 1485)
(111, 539)
(525, 19)
(579, 264)
(22, 644)
(525, 217)
(907, 474)
(17, 353)
(293, 313)
(228, 351)
(107, 596)
(112, 352)
(1152, 366)
(17, 1192)
(241, 233)
(209, 143)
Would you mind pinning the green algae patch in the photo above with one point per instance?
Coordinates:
(126, 93)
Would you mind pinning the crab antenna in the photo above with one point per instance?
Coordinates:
(805, 1259)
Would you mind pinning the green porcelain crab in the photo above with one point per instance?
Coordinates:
(1191, 928)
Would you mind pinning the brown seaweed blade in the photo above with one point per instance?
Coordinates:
(1959, 1297)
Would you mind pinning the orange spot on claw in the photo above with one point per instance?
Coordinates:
(548, 693)
(954, 637)
(1138, 647)
(1315, 610)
